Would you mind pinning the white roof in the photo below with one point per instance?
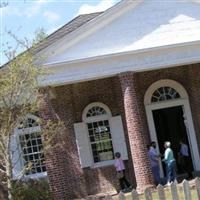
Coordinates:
(133, 35)
(152, 23)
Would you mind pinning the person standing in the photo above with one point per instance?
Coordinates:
(120, 169)
(170, 163)
(154, 162)
(184, 157)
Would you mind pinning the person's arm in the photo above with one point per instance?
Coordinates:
(116, 164)
(154, 156)
(166, 155)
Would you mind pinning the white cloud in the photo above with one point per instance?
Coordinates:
(34, 9)
(11, 10)
(103, 5)
(27, 9)
(51, 16)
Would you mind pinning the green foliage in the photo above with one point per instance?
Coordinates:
(32, 190)
(21, 95)
(40, 35)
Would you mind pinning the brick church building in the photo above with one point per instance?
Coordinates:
(120, 79)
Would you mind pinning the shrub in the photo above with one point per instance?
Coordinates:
(32, 190)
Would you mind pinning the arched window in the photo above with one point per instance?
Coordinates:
(95, 111)
(164, 93)
(30, 145)
(98, 136)
(164, 90)
(97, 117)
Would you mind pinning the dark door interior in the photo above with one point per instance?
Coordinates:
(169, 124)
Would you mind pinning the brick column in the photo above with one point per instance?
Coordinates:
(137, 141)
(65, 176)
(46, 109)
(53, 157)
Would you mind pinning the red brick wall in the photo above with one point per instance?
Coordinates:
(65, 173)
(136, 133)
(187, 76)
(69, 104)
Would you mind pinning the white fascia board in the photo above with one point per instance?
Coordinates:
(90, 27)
(111, 65)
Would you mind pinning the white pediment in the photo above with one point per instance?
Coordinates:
(151, 23)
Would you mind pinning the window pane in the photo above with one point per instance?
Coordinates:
(33, 152)
(28, 123)
(95, 111)
(164, 94)
(101, 141)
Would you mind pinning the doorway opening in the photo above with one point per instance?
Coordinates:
(170, 126)
(169, 117)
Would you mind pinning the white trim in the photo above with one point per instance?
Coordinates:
(110, 65)
(184, 102)
(36, 175)
(17, 133)
(90, 27)
(28, 130)
(164, 83)
(96, 118)
(126, 53)
(103, 164)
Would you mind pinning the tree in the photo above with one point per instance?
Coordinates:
(40, 36)
(20, 96)
(3, 4)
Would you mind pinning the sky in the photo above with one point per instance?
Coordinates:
(24, 17)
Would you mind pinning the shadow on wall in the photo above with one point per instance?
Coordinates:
(65, 174)
(104, 179)
(101, 180)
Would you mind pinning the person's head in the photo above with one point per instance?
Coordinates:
(153, 144)
(117, 155)
(167, 144)
(182, 141)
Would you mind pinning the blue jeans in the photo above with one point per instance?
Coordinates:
(156, 174)
(171, 171)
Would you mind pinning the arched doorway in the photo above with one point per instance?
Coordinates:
(169, 117)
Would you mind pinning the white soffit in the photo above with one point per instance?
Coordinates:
(150, 24)
(110, 65)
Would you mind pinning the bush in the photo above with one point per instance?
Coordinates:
(32, 190)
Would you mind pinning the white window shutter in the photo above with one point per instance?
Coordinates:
(83, 145)
(16, 156)
(118, 138)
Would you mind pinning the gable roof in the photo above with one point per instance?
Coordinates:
(66, 29)
(129, 26)
(133, 35)
(61, 32)
(74, 25)
(91, 26)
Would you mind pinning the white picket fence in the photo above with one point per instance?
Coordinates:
(174, 190)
